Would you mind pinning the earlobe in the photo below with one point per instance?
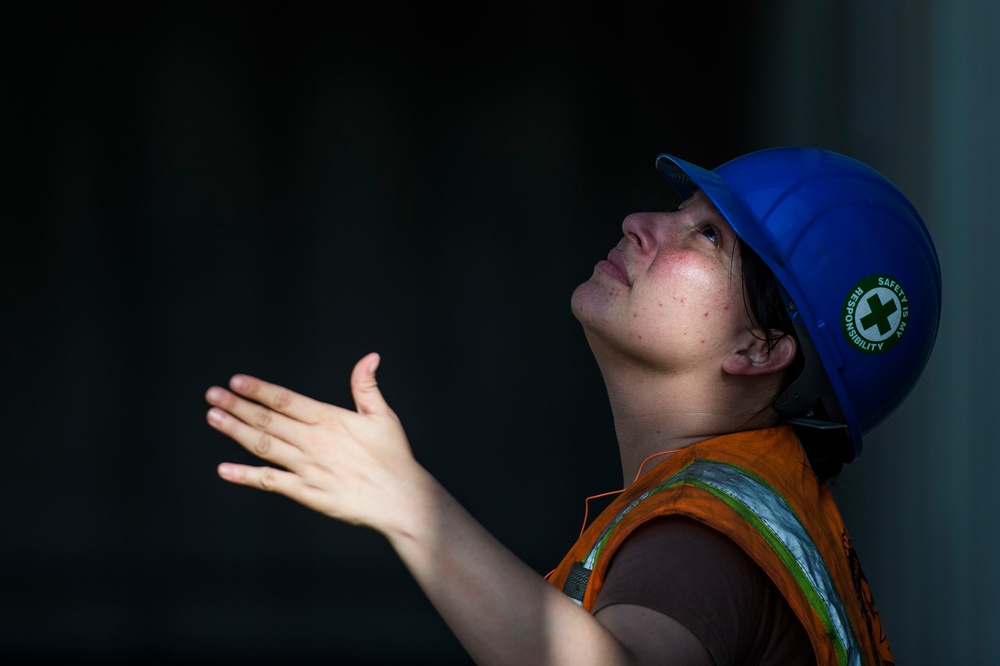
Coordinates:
(756, 359)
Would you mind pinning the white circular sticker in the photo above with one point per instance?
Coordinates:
(875, 314)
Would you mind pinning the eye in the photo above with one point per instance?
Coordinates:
(709, 232)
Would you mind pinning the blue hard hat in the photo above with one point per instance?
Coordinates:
(858, 267)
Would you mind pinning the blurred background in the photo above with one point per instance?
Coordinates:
(196, 190)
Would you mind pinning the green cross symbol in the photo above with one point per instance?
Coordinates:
(879, 316)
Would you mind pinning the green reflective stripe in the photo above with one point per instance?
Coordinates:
(775, 520)
(763, 507)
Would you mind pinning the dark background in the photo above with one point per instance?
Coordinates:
(194, 190)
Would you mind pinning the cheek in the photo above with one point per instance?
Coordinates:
(688, 300)
(691, 285)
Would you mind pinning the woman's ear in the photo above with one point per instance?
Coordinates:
(755, 358)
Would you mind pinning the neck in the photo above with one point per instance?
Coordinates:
(656, 411)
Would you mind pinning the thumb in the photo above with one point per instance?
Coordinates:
(364, 387)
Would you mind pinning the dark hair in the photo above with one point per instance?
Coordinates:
(766, 307)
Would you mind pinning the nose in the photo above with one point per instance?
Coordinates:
(642, 228)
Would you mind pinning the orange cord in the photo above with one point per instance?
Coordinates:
(586, 502)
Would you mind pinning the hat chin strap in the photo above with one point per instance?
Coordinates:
(809, 400)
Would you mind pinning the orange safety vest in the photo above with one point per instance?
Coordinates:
(757, 488)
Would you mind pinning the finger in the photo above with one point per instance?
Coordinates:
(263, 478)
(278, 398)
(364, 387)
(254, 414)
(258, 442)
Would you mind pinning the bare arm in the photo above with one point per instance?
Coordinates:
(357, 466)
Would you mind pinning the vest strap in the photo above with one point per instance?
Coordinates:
(576, 582)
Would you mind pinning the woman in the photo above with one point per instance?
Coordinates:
(748, 340)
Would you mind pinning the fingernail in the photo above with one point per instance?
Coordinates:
(215, 394)
(239, 382)
(216, 416)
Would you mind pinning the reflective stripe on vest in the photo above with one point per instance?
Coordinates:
(775, 521)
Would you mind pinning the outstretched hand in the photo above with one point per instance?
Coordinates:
(352, 465)
(357, 466)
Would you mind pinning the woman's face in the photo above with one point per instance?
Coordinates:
(670, 293)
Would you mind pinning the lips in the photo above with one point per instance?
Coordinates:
(614, 266)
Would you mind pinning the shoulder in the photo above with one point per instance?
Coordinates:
(686, 555)
(698, 576)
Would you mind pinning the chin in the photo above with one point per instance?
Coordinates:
(579, 300)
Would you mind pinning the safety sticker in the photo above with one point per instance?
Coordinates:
(875, 314)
